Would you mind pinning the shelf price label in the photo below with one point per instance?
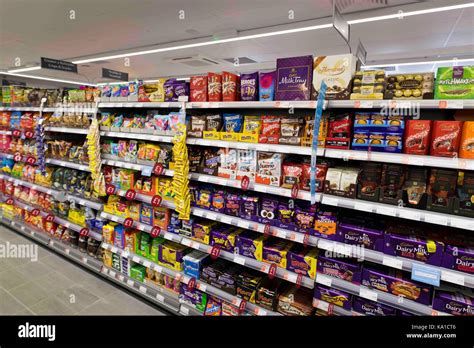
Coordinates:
(242, 305)
(267, 230)
(17, 157)
(299, 280)
(294, 191)
(158, 169)
(306, 239)
(16, 133)
(192, 284)
(130, 194)
(156, 201)
(50, 218)
(29, 134)
(84, 232)
(35, 212)
(425, 274)
(155, 231)
(110, 189)
(272, 271)
(31, 160)
(128, 222)
(215, 252)
(245, 182)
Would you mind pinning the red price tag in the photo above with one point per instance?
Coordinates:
(331, 309)
(110, 189)
(31, 160)
(158, 169)
(192, 284)
(267, 230)
(16, 133)
(156, 201)
(9, 201)
(17, 157)
(357, 104)
(29, 134)
(155, 231)
(50, 218)
(128, 222)
(130, 194)
(242, 305)
(245, 182)
(443, 104)
(294, 191)
(35, 212)
(84, 232)
(272, 271)
(299, 280)
(306, 239)
(215, 252)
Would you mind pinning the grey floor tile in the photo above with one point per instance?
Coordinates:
(99, 287)
(8, 304)
(34, 270)
(54, 282)
(11, 278)
(77, 297)
(29, 293)
(25, 312)
(52, 306)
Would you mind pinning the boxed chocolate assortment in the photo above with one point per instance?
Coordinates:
(294, 78)
(454, 302)
(337, 72)
(455, 82)
(267, 293)
(294, 301)
(410, 86)
(359, 234)
(459, 259)
(368, 307)
(333, 296)
(247, 284)
(222, 274)
(465, 194)
(441, 190)
(368, 84)
(350, 272)
(302, 260)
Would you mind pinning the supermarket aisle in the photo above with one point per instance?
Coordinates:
(54, 286)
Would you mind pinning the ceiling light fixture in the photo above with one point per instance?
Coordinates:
(381, 65)
(24, 69)
(49, 79)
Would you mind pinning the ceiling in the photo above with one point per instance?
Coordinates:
(72, 29)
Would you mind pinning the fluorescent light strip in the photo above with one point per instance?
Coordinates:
(49, 79)
(206, 43)
(419, 63)
(24, 69)
(411, 13)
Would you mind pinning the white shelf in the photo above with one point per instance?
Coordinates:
(67, 130)
(284, 104)
(422, 104)
(140, 105)
(401, 158)
(427, 216)
(68, 164)
(72, 109)
(138, 136)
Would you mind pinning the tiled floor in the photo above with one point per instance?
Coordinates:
(54, 286)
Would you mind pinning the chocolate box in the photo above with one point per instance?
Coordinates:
(267, 293)
(393, 283)
(222, 274)
(275, 251)
(325, 225)
(330, 295)
(455, 82)
(337, 72)
(294, 301)
(247, 283)
(267, 213)
(302, 260)
(367, 307)
(193, 263)
(339, 269)
(225, 238)
(358, 235)
(413, 248)
(171, 254)
(250, 244)
(410, 86)
(459, 259)
(454, 303)
(417, 137)
(445, 138)
(294, 78)
(194, 297)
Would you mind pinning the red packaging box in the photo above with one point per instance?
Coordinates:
(198, 89)
(417, 137)
(230, 84)
(339, 132)
(445, 139)
(214, 87)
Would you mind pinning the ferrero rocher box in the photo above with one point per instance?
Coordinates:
(337, 72)
(409, 86)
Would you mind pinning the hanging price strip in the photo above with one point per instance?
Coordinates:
(128, 222)
(156, 201)
(84, 232)
(245, 182)
(215, 252)
(130, 194)
(155, 231)
(110, 189)
(272, 271)
(158, 169)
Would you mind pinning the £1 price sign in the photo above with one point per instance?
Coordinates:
(192, 284)
(84, 232)
(215, 252)
(155, 231)
(128, 222)
(272, 271)
(130, 194)
(110, 189)
(156, 201)
(242, 306)
(244, 183)
(158, 169)
(31, 160)
(29, 134)
(294, 191)
(35, 212)
(50, 218)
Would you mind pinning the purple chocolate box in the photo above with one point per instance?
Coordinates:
(336, 297)
(249, 207)
(294, 78)
(453, 303)
(459, 259)
(249, 87)
(268, 211)
(358, 235)
(396, 285)
(339, 269)
(413, 248)
(367, 307)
